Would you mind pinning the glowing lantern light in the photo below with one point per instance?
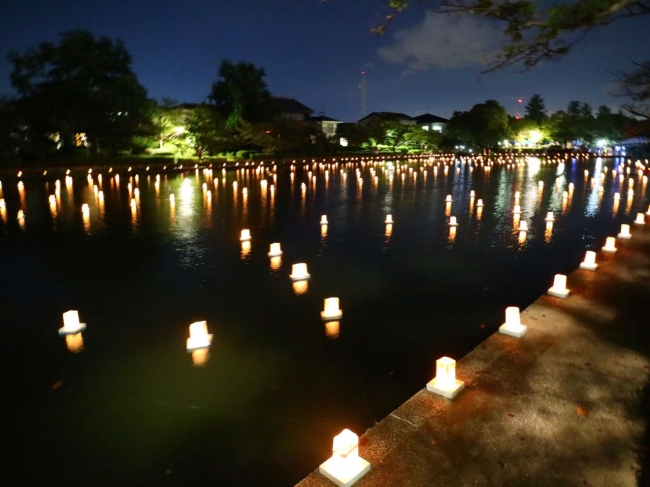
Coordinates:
(625, 232)
(199, 337)
(610, 245)
(345, 466)
(479, 203)
(200, 357)
(559, 289)
(172, 199)
(590, 261)
(517, 210)
(617, 196)
(640, 219)
(472, 194)
(541, 185)
(84, 208)
(448, 199)
(445, 383)
(549, 217)
(523, 227)
(71, 325)
(245, 235)
(323, 220)
(389, 219)
(21, 215)
(276, 262)
(299, 272)
(300, 287)
(275, 250)
(331, 310)
(452, 221)
(513, 326)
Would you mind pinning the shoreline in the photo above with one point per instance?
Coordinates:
(563, 405)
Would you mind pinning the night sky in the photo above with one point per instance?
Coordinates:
(314, 51)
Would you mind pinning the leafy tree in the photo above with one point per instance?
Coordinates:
(168, 121)
(536, 110)
(534, 32)
(635, 85)
(82, 84)
(485, 125)
(357, 134)
(241, 94)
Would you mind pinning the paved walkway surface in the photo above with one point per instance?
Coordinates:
(565, 405)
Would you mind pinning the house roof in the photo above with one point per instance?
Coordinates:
(291, 105)
(428, 118)
(323, 118)
(388, 116)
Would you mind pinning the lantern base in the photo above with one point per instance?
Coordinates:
(72, 331)
(588, 267)
(388, 223)
(609, 251)
(300, 278)
(448, 392)
(330, 317)
(639, 223)
(547, 220)
(516, 331)
(198, 343)
(627, 237)
(559, 293)
(453, 224)
(275, 254)
(344, 472)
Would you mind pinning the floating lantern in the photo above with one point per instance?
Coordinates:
(299, 272)
(448, 199)
(517, 210)
(172, 200)
(559, 289)
(71, 325)
(523, 227)
(331, 310)
(479, 203)
(640, 219)
(345, 466)
(549, 217)
(389, 219)
(323, 220)
(590, 261)
(541, 185)
(245, 235)
(617, 196)
(445, 383)
(275, 250)
(84, 208)
(610, 245)
(452, 221)
(625, 232)
(565, 195)
(513, 326)
(472, 194)
(21, 215)
(199, 337)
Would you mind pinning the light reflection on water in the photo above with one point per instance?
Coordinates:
(147, 273)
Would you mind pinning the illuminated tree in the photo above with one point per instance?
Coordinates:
(536, 110)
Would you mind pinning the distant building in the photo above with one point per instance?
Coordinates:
(426, 120)
(292, 109)
(327, 125)
(431, 122)
(385, 116)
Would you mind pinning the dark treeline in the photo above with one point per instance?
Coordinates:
(81, 98)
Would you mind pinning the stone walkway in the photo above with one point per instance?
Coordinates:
(565, 405)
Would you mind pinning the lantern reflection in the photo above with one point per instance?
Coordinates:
(276, 262)
(200, 357)
(74, 343)
(245, 249)
(300, 287)
(332, 329)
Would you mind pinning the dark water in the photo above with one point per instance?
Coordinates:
(132, 409)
